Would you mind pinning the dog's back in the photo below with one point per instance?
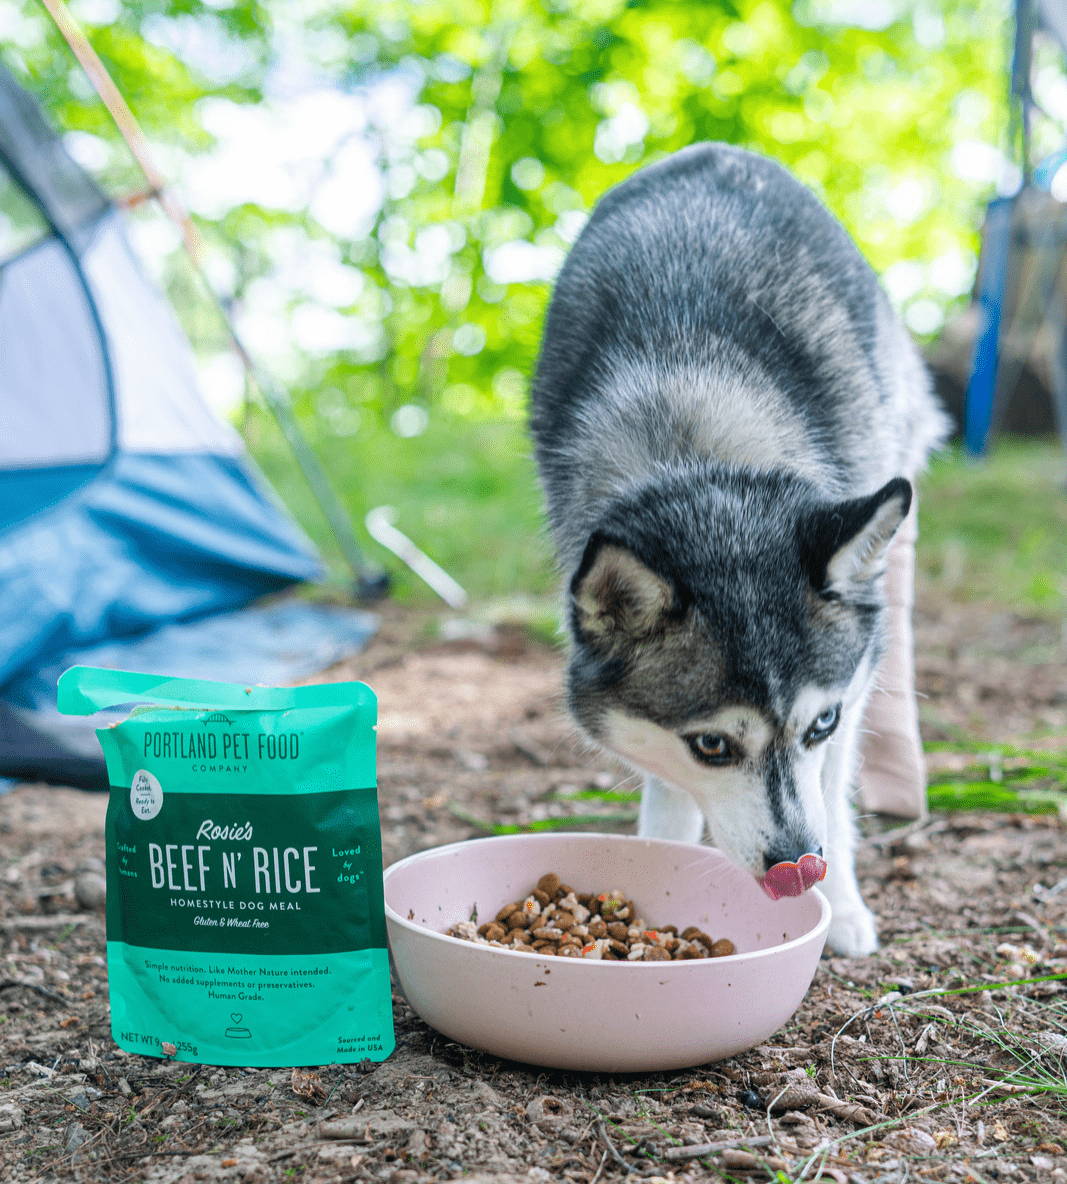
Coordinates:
(713, 308)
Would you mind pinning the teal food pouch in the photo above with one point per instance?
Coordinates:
(245, 917)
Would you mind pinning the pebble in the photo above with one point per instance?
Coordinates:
(11, 1118)
(76, 1136)
(90, 890)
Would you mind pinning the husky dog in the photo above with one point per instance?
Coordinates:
(726, 415)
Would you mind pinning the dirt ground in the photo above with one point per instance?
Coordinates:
(873, 1080)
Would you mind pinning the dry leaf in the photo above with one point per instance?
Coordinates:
(306, 1084)
(945, 1139)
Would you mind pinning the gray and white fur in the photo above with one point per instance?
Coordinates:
(727, 416)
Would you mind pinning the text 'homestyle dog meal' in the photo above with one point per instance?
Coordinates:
(245, 919)
(556, 920)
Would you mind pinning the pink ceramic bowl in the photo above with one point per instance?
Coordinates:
(570, 1013)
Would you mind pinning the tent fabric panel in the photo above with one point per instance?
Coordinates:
(160, 405)
(152, 540)
(36, 159)
(276, 643)
(53, 381)
(25, 492)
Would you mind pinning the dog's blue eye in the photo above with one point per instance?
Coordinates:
(711, 748)
(824, 725)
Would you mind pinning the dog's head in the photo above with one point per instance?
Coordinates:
(724, 633)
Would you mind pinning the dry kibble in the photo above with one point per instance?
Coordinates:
(555, 921)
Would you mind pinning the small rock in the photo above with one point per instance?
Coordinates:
(90, 890)
(91, 864)
(75, 1137)
(11, 1118)
(912, 1140)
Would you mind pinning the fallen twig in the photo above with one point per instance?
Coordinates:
(696, 1150)
(530, 749)
(921, 826)
(744, 1161)
(613, 1151)
(10, 983)
(51, 921)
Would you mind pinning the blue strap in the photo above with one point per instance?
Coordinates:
(982, 385)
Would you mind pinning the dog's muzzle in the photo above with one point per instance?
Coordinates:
(791, 879)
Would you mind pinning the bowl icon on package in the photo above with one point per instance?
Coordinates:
(237, 1032)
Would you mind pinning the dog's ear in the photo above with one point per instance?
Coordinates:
(847, 544)
(615, 596)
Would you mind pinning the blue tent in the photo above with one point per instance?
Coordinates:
(125, 504)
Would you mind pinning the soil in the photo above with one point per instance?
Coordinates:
(872, 1081)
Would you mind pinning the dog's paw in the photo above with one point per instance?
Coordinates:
(853, 932)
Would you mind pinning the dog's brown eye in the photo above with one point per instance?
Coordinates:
(822, 727)
(711, 748)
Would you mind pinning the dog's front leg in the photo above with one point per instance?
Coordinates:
(669, 813)
(853, 929)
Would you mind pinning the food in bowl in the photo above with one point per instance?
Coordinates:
(555, 920)
(598, 1015)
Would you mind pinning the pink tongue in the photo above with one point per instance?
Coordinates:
(791, 879)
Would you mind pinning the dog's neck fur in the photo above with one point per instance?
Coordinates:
(689, 416)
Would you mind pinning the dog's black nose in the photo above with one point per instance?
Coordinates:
(788, 853)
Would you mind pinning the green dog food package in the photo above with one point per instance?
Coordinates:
(245, 917)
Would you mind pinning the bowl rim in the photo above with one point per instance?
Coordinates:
(691, 965)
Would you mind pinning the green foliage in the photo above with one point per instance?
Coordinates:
(997, 531)
(518, 115)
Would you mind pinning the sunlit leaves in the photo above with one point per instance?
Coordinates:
(487, 128)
